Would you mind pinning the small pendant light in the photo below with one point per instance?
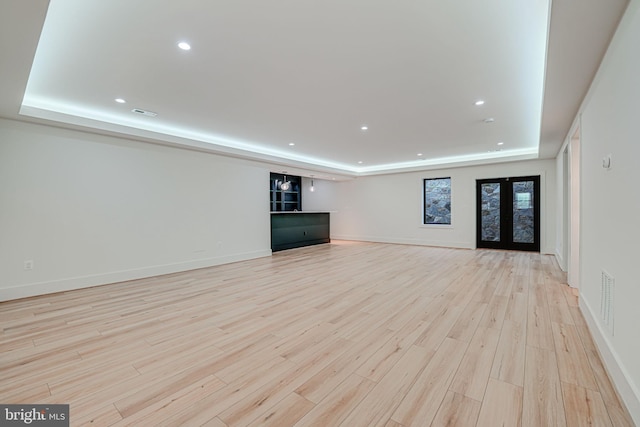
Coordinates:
(286, 185)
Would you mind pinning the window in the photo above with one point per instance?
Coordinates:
(437, 201)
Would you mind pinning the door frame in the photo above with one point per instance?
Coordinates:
(574, 214)
(506, 214)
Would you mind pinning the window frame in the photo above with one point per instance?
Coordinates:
(424, 203)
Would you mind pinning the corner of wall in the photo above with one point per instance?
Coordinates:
(561, 261)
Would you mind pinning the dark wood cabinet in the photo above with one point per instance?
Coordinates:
(297, 229)
(285, 198)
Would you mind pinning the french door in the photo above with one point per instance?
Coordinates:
(508, 213)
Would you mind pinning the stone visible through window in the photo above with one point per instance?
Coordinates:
(437, 201)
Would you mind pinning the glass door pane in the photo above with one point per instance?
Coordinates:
(523, 212)
(490, 212)
(508, 213)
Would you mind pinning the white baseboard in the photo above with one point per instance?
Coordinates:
(417, 242)
(71, 283)
(399, 241)
(627, 391)
(560, 260)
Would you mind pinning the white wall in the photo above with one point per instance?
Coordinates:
(610, 205)
(388, 208)
(90, 209)
(322, 199)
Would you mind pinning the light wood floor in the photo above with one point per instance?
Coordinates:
(349, 334)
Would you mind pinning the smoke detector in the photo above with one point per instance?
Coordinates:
(144, 112)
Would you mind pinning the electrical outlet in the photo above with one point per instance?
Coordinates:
(28, 264)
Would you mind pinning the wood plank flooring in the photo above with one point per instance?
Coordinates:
(343, 334)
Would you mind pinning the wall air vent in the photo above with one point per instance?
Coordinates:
(606, 300)
(144, 112)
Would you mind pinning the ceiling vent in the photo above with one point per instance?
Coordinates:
(144, 112)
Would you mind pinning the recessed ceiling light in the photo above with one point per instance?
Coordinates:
(364, 127)
(479, 102)
(120, 100)
(500, 143)
(184, 46)
(419, 154)
(291, 144)
(360, 162)
(489, 120)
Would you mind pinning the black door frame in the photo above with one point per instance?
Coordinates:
(506, 214)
